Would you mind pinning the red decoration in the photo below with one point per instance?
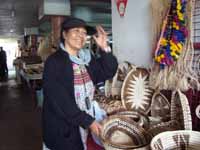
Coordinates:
(196, 45)
(121, 7)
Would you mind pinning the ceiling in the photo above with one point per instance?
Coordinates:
(15, 15)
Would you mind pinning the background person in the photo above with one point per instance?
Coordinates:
(3, 64)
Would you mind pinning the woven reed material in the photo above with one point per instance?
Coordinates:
(136, 94)
(130, 134)
(176, 140)
(140, 118)
(164, 126)
(180, 110)
(108, 104)
(160, 106)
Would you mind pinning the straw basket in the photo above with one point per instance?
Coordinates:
(119, 133)
(140, 118)
(110, 105)
(162, 127)
(160, 107)
(122, 71)
(180, 110)
(176, 140)
(136, 93)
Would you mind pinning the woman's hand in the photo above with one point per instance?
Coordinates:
(95, 127)
(101, 38)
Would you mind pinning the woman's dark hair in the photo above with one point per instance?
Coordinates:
(63, 28)
(62, 40)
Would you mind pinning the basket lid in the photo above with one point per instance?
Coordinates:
(136, 93)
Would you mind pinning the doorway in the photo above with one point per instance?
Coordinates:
(10, 46)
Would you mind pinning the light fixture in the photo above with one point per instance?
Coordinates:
(12, 13)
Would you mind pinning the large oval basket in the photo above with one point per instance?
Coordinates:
(119, 133)
(136, 93)
(176, 140)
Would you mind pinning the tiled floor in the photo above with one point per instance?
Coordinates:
(20, 120)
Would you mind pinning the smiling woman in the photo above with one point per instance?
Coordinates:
(75, 39)
(69, 79)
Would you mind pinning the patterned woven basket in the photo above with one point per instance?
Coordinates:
(110, 105)
(162, 127)
(180, 110)
(136, 93)
(160, 107)
(176, 140)
(122, 71)
(120, 133)
(140, 118)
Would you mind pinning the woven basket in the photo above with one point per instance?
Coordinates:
(120, 133)
(140, 118)
(162, 127)
(160, 107)
(110, 105)
(136, 93)
(176, 140)
(122, 71)
(180, 110)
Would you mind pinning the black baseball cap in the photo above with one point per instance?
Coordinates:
(72, 22)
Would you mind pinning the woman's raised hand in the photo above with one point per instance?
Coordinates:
(101, 38)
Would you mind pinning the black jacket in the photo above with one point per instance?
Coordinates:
(61, 116)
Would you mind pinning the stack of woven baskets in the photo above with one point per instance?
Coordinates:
(145, 114)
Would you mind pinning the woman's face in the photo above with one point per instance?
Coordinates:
(75, 38)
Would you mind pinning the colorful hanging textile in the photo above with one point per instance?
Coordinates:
(173, 35)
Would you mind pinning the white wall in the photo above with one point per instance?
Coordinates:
(132, 33)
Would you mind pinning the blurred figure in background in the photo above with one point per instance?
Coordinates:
(3, 65)
(45, 48)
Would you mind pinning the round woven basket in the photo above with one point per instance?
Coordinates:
(136, 93)
(120, 133)
(140, 118)
(176, 140)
